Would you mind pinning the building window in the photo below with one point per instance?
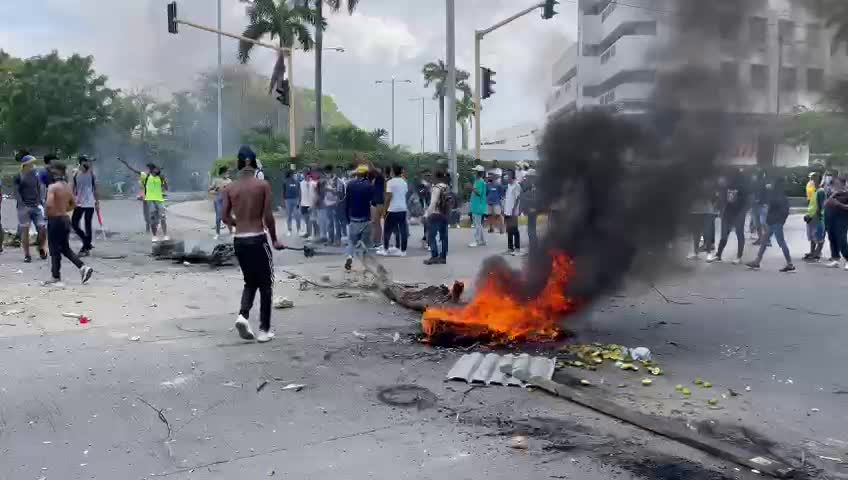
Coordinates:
(788, 79)
(759, 76)
(728, 28)
(815, 79)
(608, 97)
(758, 30)
(786, 31)
(607, 11)
(729, 73)
(813, 35)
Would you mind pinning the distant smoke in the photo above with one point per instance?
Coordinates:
(621, 187)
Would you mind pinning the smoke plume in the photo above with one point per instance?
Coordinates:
(620, 187)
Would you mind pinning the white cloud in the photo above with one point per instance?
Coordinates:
(373, 39)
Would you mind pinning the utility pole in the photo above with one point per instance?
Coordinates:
(292, 126)
(421, 99)
(220, 88)
(319, 80)
(478, 37)
(393, 81)
(451, 60)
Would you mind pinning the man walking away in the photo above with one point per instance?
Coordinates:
(360, 193)
(735, 200)
(838, 231)
(815, 220)
(778, 212)
(437, 219)
(512, 209)
(291, 199)
(84, 186)
(221, 182)
(30, 206)
(478, 206)
(60, 202)
(396, 190)
(247, 208)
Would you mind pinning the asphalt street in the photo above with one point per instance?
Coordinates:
(158, 384)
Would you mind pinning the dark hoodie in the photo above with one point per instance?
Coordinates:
(778, 205)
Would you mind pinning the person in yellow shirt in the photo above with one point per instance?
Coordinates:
(154, 185)
(811, 186)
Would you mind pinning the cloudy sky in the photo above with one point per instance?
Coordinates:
(130, 43)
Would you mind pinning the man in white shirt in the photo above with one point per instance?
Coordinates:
(512, 209)
(396, 190)
(307, 202)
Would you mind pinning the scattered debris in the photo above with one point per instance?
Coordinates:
(407, 395)
(283, 302)
(668, 300)
(585, 383)
(162, 417)
(815, 410)
(295, 386)
(190, 330)
(640, 354)
(11, 312)
(343, 295)
(135, 338)
(494, 369)
(396, 337)
(262, 386)
(712, 402)
(359, 335)
(647, 382)
(231, 385)
(518, 442)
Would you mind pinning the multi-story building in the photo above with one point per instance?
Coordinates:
(779, 56)
(514, 144)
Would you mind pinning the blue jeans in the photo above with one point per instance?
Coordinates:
(777, 231)
(478, 229)
(292, 211)
(332, 227)
(360, 232)
(438, 226)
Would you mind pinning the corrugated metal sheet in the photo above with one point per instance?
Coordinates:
(494, 369)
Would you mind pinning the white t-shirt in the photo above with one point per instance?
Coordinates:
(307, 193)
(398, 188)
(513, 196)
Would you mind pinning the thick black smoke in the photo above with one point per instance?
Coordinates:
(619, 188)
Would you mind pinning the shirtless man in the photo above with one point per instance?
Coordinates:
(60, 202)
(247, 208)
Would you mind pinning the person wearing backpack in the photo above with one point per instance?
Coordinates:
(441, 200)
(84, 187)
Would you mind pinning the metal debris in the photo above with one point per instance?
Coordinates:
(283, 302)
(294, 386)
(494, 369)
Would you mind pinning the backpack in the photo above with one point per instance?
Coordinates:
(447, 201)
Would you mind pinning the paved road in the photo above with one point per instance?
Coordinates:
(83, 401)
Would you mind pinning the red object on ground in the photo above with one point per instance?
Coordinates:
(83, 320)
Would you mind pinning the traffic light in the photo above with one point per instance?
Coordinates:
(283, 92)
(549, 12)
(488, 82)
(172, 17)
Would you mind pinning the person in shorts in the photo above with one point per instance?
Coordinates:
(494, 201)
(153, 185)
(30, 206)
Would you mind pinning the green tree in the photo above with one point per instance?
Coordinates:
(464, 114)
(436, 74)
(54, 102)
(283, 23)
(335, 5)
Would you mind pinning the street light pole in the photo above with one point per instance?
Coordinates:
(451, 120)
(421, 99)
(220, 88)
(393, 81)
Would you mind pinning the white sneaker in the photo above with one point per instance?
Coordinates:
(216, 237)
(737, 261)
(692, 256)
(85, 273)
(519, 252)
(243, 328)
(166, 238)
(264, 336)
(833, 264)
(289, 233)
(155, 239)
(381, 252)
(846, 266)
(473, 245)
(393, 252)
(713, 259)
(402, 253)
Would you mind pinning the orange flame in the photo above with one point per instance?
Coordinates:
(495, 312)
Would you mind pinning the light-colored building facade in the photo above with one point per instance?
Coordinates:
(779, 55)
(513, 144)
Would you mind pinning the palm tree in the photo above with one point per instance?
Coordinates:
(436, 73)
(281, 22)
(335, 6)
(464, 114)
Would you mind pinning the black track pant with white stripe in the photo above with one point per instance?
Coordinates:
(257, 266)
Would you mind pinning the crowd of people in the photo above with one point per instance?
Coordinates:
(763, 201)
(54, 204)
